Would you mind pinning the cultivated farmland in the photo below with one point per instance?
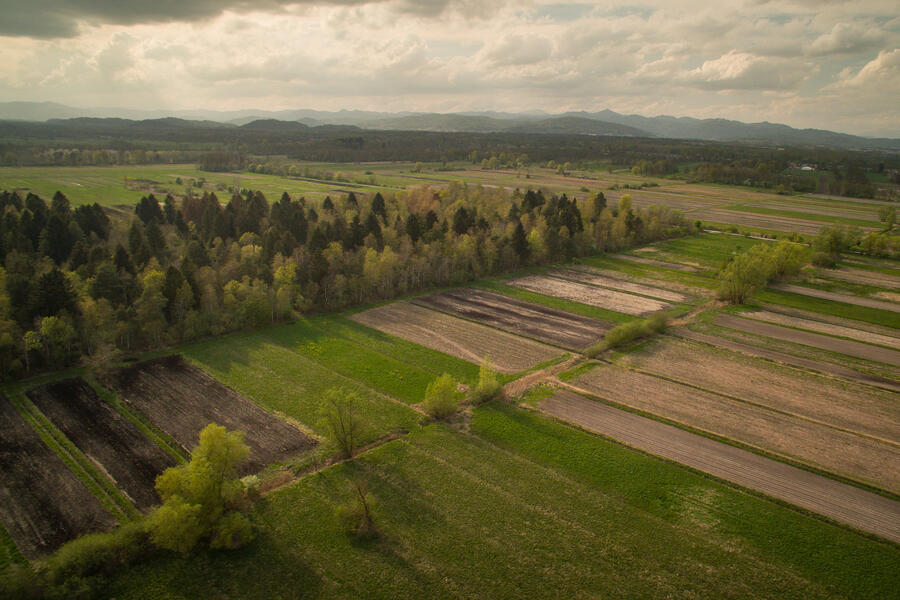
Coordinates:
(588, 294)
(841, 328)
(595, 278)
(42, 503)
(836, 297)
(457, 337)
(516, 316)
(130, 458)
(181, 400)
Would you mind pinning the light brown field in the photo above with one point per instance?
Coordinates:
(457, 337)
(832, 401)
(827, 328)
(588, 294)
(847, 298)
(776, 223)
(657, 263)
(594, 278)
(856, 456)
(864, 277)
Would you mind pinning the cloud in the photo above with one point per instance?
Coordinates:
(847, 38)
(879, 75)
(517, 49)
(744, 71)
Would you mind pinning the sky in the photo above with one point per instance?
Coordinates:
(807, 63)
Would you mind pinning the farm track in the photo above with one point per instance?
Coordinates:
(181, 400)
(458, 337)
(594, 278)
(516, 316)
(614, 300)
(797, 361)
(130, 458)
(840, 502)
(816, 340)
(42, 503)
(836, 297)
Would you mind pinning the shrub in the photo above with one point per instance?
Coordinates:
(441, 397)
(98, 553)
(342, 422)
(357, 515)
(628, 332)
(488, 386)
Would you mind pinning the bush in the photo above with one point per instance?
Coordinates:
(745, 273)
(628, 332)
(344, 426)
(441, 397)
(488, 386)
(98, 553)
(823, 259)
(357, 516)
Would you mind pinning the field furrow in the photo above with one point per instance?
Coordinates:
(588, 294)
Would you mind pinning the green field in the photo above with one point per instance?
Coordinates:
(524, 507)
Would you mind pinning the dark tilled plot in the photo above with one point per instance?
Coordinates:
(181, 400)
(42, 503)
(131, 458)
(517, 316)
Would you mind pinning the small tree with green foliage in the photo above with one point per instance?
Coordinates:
(204, 500)
(357, 515)
(342, 420)
(488, 386)
(442, 397)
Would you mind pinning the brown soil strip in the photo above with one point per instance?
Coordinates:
(868, 303)
(857, 508)
(42, 503)
(827, 328)
(816, 340)
(624, 286)
(685, 290)
(864, 277)
(655, 263)
(858, 457)
(466, 340)
(589, 294)
(517, 316)
(789, 359)
(754, 220)
(130, 458)
(181, 400)
(842, 405)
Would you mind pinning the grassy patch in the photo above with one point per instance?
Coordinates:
(762, 210)
(579, 370)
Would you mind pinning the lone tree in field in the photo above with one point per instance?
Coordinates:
(442, 397)
(204, 500)
(488, 386)
(357, 515)
(342, 421)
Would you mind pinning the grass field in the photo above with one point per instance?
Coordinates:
(527, 508)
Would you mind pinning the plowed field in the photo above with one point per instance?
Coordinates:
(457, 337)
(181, 400)
(105, 436)
(517, 316)
(591, 278)
(588, 294)
(42, 503)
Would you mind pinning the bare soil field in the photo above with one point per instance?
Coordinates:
(839, 404)
(864, 277)
(844, 503)
(42, 503)
(588, 294)
(466, 340)
(816, 340)
(879, 330)
(584, 276)
(859, 212)
(643, 199)
(557, 327)
(113, 442)
(866, 302)
(181, 400)
(776, 223)
(820, 366)
(821, 327)
(656, 263)
(685, 290)
(856, 456)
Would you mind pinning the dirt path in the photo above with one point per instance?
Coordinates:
(859, 301)
(815, 365)
(522, 384)
(838, 501)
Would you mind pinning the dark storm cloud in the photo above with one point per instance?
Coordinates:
(61, 18)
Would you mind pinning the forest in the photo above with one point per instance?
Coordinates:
(80, 283)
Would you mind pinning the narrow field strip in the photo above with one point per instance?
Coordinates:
(829, 328)
(816, 340)
(845, 298)
(593, 278)
(864, 277)
(841, 502)
(656, 263)
(836, 450)
(42, 503)
(129, 457)
(545, 324)
(588, 294)
(469, 341)
(790, 359)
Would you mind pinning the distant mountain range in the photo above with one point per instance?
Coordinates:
(605, 122)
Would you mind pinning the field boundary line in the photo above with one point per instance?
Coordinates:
(592, 395)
